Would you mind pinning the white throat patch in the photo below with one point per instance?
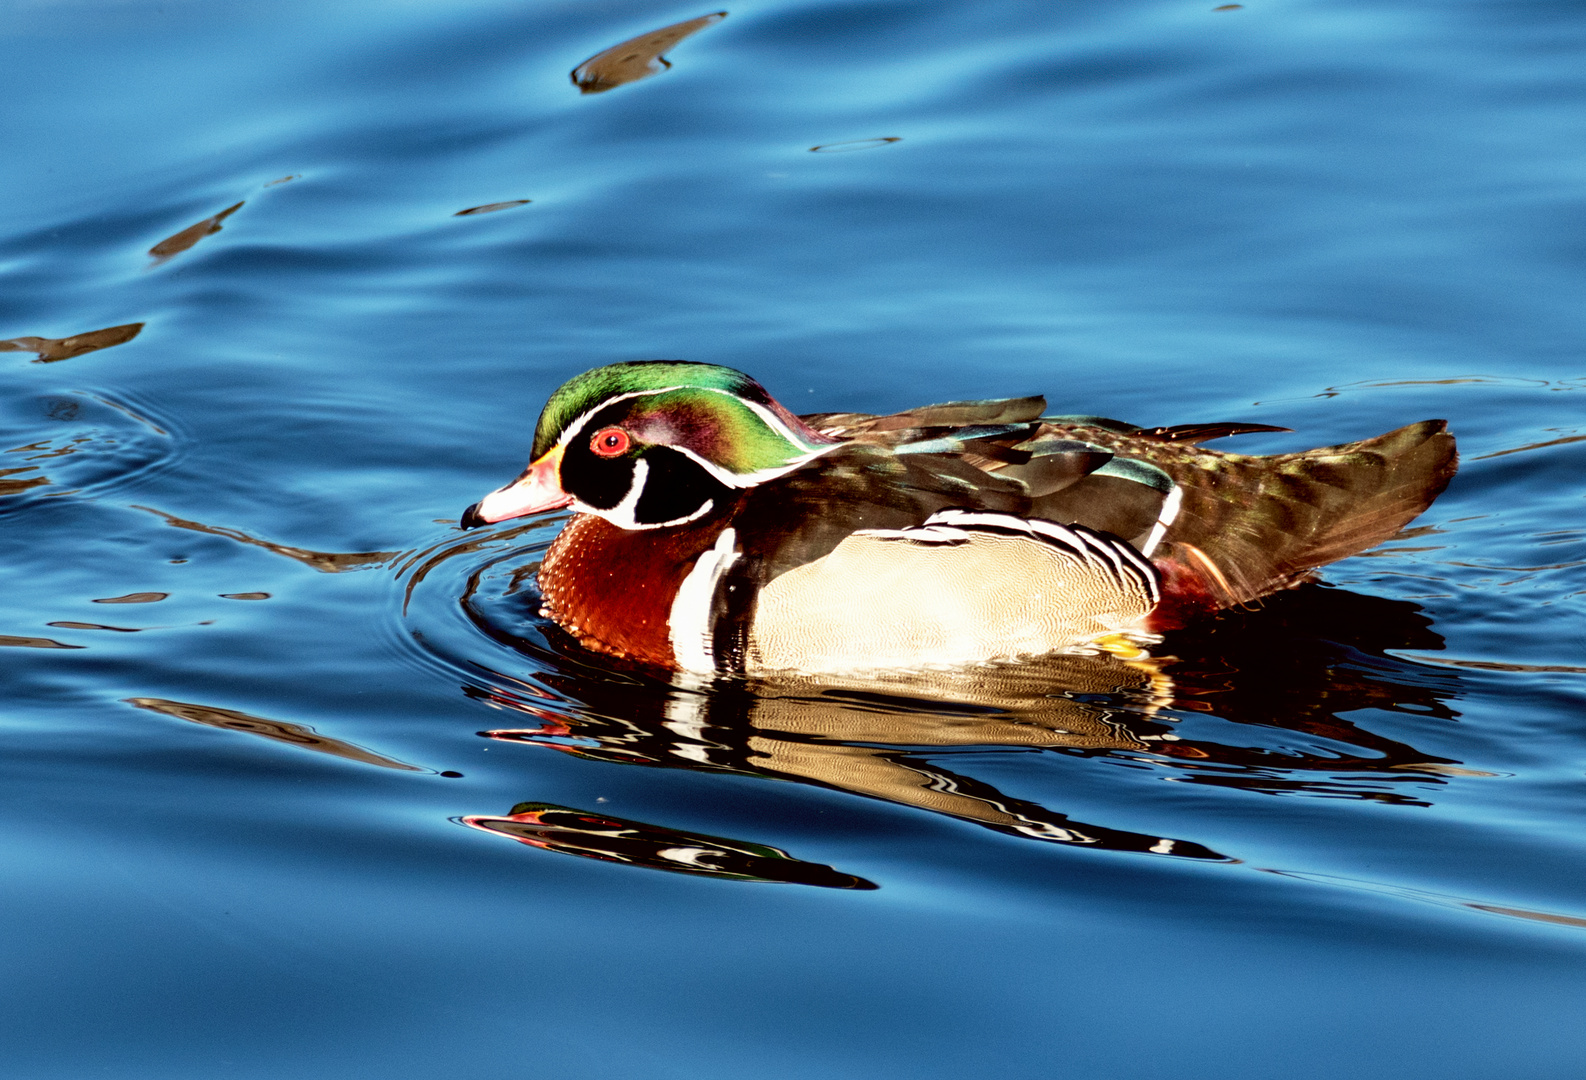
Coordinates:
(623, 514)
(689, 623)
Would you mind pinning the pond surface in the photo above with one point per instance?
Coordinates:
(296, 778)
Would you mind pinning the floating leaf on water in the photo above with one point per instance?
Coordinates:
(175, 245)
(297, 734)
(34, 643)
(609, 839)
(490, 208)
(135, 598)
(637, 58)
(52, 349)
(64, 625)
(854, 144)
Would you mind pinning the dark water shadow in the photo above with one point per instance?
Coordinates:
(1295, 667)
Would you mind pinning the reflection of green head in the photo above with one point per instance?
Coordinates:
(716, 413)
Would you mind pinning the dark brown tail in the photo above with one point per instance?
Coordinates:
(1251, 525)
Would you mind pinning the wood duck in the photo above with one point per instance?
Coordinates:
(715, 532)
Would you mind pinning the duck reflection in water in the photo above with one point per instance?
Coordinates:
(609, 839)
(1291, 669)
(1286, 673)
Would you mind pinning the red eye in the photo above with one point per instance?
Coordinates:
(609, 442)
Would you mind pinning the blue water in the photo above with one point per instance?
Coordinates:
(1329, 215)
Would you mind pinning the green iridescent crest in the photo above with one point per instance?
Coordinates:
(724, 430)
(721, 415)
(581, 393)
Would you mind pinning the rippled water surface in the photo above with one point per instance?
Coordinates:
(296, 779)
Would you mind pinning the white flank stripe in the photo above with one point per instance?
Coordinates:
(689, 623)
(1170, 509)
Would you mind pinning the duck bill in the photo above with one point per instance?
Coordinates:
(537, 490)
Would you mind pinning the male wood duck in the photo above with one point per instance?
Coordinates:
(716, 532)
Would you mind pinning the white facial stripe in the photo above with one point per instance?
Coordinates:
(747, 480)
(731, 479)
(623, 515)
(630, 502)
(578, 422)
(709, 505)
(723, 477)
(627, 522)
(772, 420)
(689, 620)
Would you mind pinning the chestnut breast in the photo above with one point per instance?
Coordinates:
(613, 588)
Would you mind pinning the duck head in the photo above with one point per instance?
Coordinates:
(652, 443)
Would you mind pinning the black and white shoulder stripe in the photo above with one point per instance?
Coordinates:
(1123, 562)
